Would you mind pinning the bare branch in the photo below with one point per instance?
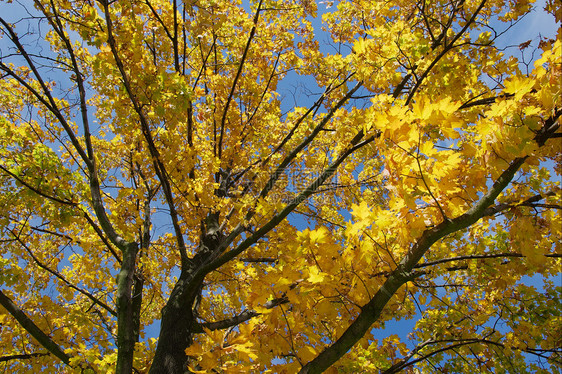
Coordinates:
(238, 319)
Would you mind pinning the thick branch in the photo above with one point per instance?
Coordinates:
(105, 223)
(26, 322)
(403, 273)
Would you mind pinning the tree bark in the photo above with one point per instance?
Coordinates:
(176, 330)
(126, 329)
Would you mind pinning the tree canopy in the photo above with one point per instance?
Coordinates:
(270, 186)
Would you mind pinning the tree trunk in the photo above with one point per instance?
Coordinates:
(176, 328)
(126, 329)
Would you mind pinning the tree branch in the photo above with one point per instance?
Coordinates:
(403, 273)
(436, 42)
(478, 257)
(33, 329)
(313, 108)
(287, 160)
(238, 73)
(447, 48)
(259, 259)
(145, 128)
(49, 101)
(22, 356)
(485, 101)
(355, 144)
(36, 190)
(239, 318)
(404, 363)
(59, 276)
(100, 234)
(530, 202)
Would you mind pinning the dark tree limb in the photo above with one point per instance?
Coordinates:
(371, 311)
(239, 318)
(34, 330)
(25, 356)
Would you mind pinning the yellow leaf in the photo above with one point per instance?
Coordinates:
(361, 212)
(315, 276)
(245, 350)
(319, 235)
(518, 86)
(427, 148)
(422, 109)
(360, 46)
(195, 350)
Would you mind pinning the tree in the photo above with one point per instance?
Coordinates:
(156, 169)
